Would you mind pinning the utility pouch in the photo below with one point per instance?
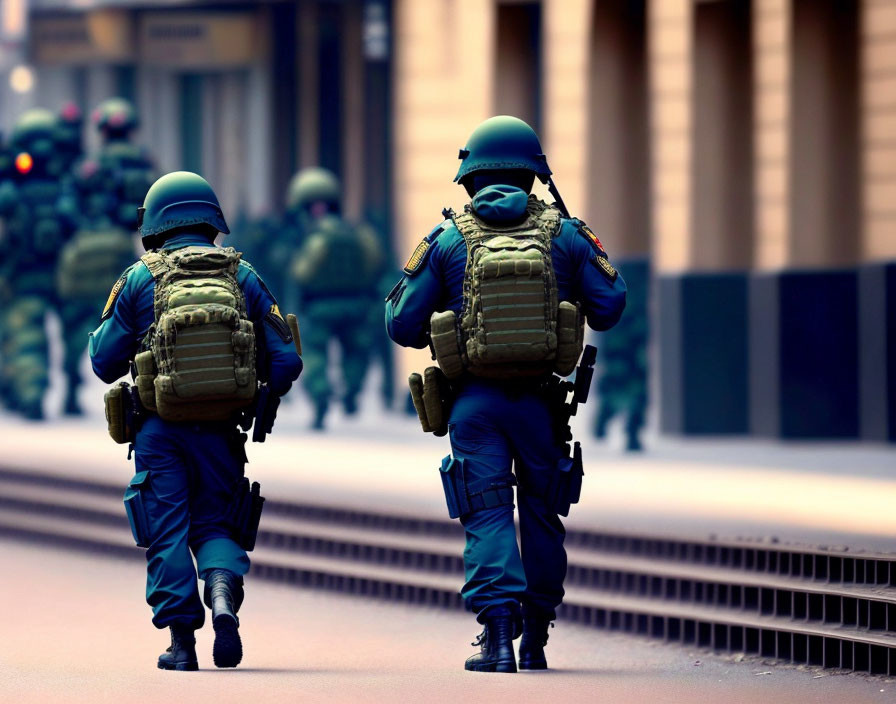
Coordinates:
(247, 506)
(452, 473)
(446, 343)
(570, 338)
(136, 509)
(415, 382)
(145, 379)
(433, 398)
(565, 487)
(117, 401)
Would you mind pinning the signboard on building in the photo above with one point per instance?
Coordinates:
(98, 36)
(200, 40)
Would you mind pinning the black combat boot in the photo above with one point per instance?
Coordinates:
(224, 594)
(496, 643)
(181, 655)
(535, 637)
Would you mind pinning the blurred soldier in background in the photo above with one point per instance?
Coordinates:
(127, 168)
(336, 271)
(6, 171)
(622, 381)
(501, 293)
(382, 348)
(104, 195)
(35, 230)
(68, 136)
(271, 242)
(189, 497)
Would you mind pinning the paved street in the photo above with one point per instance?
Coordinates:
(384, 463)
(75, 629)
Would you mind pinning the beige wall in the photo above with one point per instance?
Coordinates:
(771, 121)
(669, 25)
(444, 85)
(443, 88)
(878, 100)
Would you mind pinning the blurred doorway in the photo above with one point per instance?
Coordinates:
(722, 129)
(518, 49)
(618, 145)
(824, 133)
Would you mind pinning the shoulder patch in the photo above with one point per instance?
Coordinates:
(586, 232)
(605, 268)
(110, 302)
(276, 321)
(418, 256)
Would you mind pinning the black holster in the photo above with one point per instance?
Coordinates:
(565, 487)
(247, 506)
(452, 473)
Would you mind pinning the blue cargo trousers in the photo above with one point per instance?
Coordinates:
(504, 436)
(187, 493)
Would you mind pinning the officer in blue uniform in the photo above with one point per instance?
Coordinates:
(502, 430)
(193, 468)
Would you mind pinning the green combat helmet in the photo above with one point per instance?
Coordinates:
(314, 185)
(115, 118)
(178, 199)
(32, 143)
(503, 143)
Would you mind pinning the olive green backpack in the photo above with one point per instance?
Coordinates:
(337, 259)
(91, 261)
(511, 323)
(198, 358)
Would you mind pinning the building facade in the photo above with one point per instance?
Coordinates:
(244, 93)
(746, 149)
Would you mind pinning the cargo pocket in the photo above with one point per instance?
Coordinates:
(135, 507)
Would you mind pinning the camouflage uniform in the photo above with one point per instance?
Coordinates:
(336, 273)
(106, 191)
(622, 381)
(35, 230)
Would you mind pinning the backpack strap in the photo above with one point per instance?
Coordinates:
(468, 227)
(157, 264)
(547, 217)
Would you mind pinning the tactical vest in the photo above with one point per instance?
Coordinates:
(198, 358)
(511, 324)
(334, 260)
(130, 175)
(91, 261)
(35, 226)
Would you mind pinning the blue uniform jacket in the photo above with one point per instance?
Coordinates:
(436, 284)
(116, 341)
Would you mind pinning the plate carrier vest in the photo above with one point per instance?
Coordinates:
(198, 358)
(511, 324)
